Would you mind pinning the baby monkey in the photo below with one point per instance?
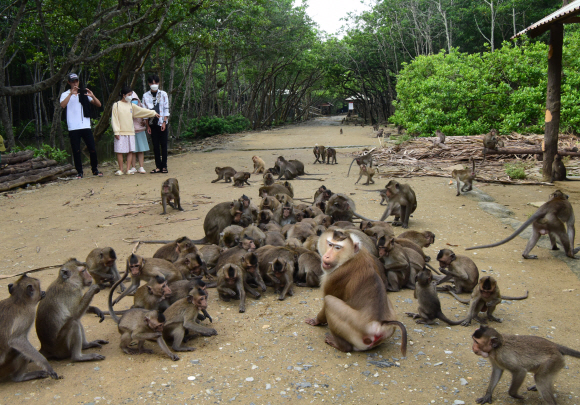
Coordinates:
(225, 174)
(367, 171)
(169, 193)
(241, 178)
(466, 176)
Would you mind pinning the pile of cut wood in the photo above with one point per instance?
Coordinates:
(420, 157)
(23, 168)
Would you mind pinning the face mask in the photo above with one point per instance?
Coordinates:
(135, 102)
(154, 87)
(128, 99)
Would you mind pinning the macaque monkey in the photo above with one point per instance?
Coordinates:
(268, 179)
(366, 159)
(555, 218)
(274, 189)
(429, 304)
(558, 169)
(379, 132)
(484, 298)
(520, 355)
(366, 171)
(102, 266)
(290, 169)
(403, 195)
(309, 269)
(491, 141)
(331, 155)
(210, 255)
(341, 131)
(248, 208)
(169, 193)
(192, 265)
(280, 272)
(259, 165)
(241, 178)
(225, 174)
(285, 214)
(399, 271)
(319, 154)
(423, 239)
(440, 136)
(356, 308)
(341, 207)
(181, 320)
(230, 284)
(58, 317)
(152, 295)
(319, 191)
(230, 236)
(461, 269)
(466, 176)
(16, 318)
(218, 218)
(269, 203)
(172, 251)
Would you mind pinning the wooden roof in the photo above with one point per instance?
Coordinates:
(566, 15)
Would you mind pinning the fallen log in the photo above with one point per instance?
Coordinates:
(30, 165)
(49, 172)
(10, 177)
(17, 157)
(519, 151)
(70, 172)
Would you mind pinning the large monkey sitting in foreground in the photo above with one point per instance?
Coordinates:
(554, 218)
(356, 307)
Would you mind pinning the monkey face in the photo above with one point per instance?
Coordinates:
(135, 269)
(248, 244)
(337, 251)
(286, 212)
(165, 290)
(237, 217)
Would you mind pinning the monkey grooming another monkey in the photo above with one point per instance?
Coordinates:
(558, 169)
(484, 298)
(58, 317)
(16, 319)
(259, 165)
(331, 155)
(366, 171)
(403, 195)
(356, 308)
(172, 251)
(152, 295)
(102, 266)
(466, 176)
(319, 154)
(170, 192)
(241, 178)
(461, 269)
(520, 355)
(429, 304)
(225, 174)
(555, 218)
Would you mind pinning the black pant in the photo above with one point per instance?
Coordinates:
(159, 139)
(75, 142)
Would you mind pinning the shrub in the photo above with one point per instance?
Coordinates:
(204, 127)
(46, 151)
(516, 171)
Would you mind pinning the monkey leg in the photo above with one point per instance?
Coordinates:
(458, 184)
(95, 343)
(126, 340)
(75, 337)
(142, 350)
(177, 334)
(553, 242)
(518, 377)
(496, 374)
(531, 243)
(359, 177)
(393, 279)
(19, 365)
(491, 306)
(200, 330)
(250, 290)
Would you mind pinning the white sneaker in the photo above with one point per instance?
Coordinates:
(119, 173)
(132, 171)
(142, 170)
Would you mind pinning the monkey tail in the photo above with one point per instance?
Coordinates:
(403, 334)
(463, 301)
(513, 235)
(523, 297)
(361, 217)
(473, 165)
(202, 241)
(568, 352)
(448, 321)
(432, 268)
(111, 310)
(350, 167)
(157, 242)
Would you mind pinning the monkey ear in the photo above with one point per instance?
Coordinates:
(494, 342)
(356, 247)
(65, 274)
(30, 290)
(177, 248)
(10, 288)
(190, 299)
(149, 289)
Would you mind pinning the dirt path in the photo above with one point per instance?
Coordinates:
(268, 354)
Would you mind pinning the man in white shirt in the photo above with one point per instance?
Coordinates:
(79, 123)
(157, 100)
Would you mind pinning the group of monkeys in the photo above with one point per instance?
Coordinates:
(281, 242)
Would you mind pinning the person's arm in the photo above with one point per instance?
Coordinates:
(140, 112)
(64, 101)
(115, 120)
(164, 112)
(94, 100)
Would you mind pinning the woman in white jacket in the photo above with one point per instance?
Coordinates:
(122, 122)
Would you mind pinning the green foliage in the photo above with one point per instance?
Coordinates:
(399, 139)
(46, 151)
(208, 126)
(516, 171)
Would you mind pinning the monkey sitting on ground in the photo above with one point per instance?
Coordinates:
(152, 295)
(520, 355)
(367, 171)
(224, 173)
(466, 176)
(555, 218)
(241, 178)
(268, 179)
(356, 308)
(102, 266)
(331, 155)
(429, 304)
(281, 273)
(403, 195)
(319, 154)
(58, 317)
(461, 269)
(259, 165)
(558, 169)
(219, 217)
(16, 319)
(309, 271)
(173, 251)
(484, 298)
(230, 284)
(169, 193)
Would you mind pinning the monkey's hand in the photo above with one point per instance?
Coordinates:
(486, 399)
(312, 321)
(98, 313)
(467, 322)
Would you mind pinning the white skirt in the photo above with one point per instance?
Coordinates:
(125, 144)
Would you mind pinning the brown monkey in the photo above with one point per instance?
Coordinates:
(281, 273)
(365, 159)
(359, 314)
(429, 304)
(406, 243)
(555, 218)
(461, 269)
(287, 169)
(311, 243)
(403, 195)
(285, 214)
(309, 269)
(174, 250)
(169, 193)
(490, 141)
(268, 179)
(259, 165)
(151, 295)
(466, 176)
(225, 174)
(264, 217)
(102, 266)
(558, 169)
(300, 231)
(520, 355)
(319, 191)
(319, 154)
(254, 234)
(440, 136)
(181, 320)
(284, 198)
(218, 218)
(269, 203)
(274, 238)
(366, 171)
(16, 319)
(484, 298)
(274, 189)
(210, 255)
(230, 236)
(192, 265)
(341, 131)
(397, 265)
(423, 239)
(379, 132)
(241, 178)
(331, 155)
(58, 317)
(142, 325)
(230, 284)
(341, 208)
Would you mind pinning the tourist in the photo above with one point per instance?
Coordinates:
(141, 145)
(158, 100)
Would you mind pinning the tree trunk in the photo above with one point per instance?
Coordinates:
(553, 98)
(6, 123)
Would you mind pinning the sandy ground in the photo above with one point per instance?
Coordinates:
(268, 354)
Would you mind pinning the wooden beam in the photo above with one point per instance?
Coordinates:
(519, 151)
